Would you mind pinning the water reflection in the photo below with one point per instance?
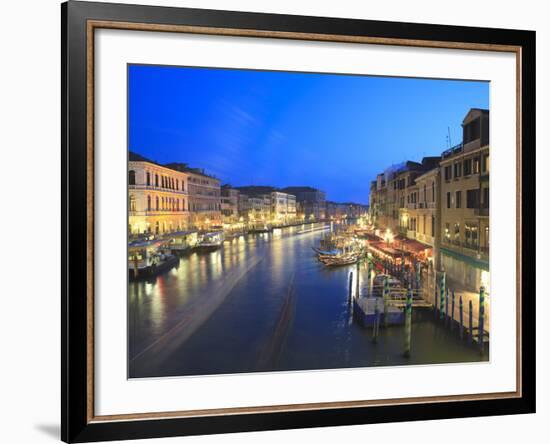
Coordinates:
(263, 302)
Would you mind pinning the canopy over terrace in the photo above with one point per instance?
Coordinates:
(415, 248)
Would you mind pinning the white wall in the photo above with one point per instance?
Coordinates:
(30, 206)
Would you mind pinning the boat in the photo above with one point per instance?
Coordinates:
(210, 241)
(149, 258)
(182, 242)
(339, 260)
(364, 311)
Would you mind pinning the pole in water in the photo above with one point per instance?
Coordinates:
(452, 309)
(471, 325)
(376, 323)
(369, 276)
(481, 317)
(350, 285)
(447, 306)
(408, 322)
(385, 296)
(461, 318)
(357, 287)
(435, 302)
(442, 295)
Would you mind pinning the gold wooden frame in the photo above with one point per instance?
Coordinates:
(92, 25)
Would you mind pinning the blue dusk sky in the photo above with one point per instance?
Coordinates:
(332, 132)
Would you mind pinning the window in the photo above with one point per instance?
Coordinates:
(433, 226)
(148, 203)
(471, 235)
(485, 163)
(467, 167)
(131, 177)
(447, 232)
(433, 191)
(476, 165)
(458, 199)
(132, 202)
(424, 224)
(472, 131)
(457, 234)
(157, 200)
(448, 172)
(156, 180)
(448, 200)
(457, 169)
(148, 178)
(485, 202)
(472, 198)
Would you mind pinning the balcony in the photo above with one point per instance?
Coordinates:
(153, 188)
(457, 149)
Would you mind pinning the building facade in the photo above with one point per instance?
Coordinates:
(310, 202)
(157, 198)
(444, 202)
(465, 204)
(204, 201)
(230, 204)
(283, 208)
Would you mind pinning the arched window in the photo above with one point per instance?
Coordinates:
(148, 202)
(131, 177)
(148, 178)
(162, 206)
(177, 184)
(157, 198)
(157, 227)
(156, 180)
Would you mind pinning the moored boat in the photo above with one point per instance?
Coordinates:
(210, 241)
(149, 258)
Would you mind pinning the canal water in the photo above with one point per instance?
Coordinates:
(264, 303)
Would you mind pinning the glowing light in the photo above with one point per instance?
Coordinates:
(388, 236)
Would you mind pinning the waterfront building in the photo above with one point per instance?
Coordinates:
(230, 204)
(465, 205)
(379, 211)
(401, 195)
(157, 198)
(425, 209)
(283, 208)
(204, 201)
(310, 202)
(267, 204)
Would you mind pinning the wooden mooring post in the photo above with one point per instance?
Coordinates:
(461, 318)
(435, 301)
(408, 322)
(385, 297)
(447, 306)
(357, 284)
(452, 309)
(350, 285)
(376, 324)
(471, 324)
(442, 295)
(481, 321)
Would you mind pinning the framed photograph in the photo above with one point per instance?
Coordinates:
(275, 221)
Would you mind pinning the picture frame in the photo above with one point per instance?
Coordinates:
(80, 20)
